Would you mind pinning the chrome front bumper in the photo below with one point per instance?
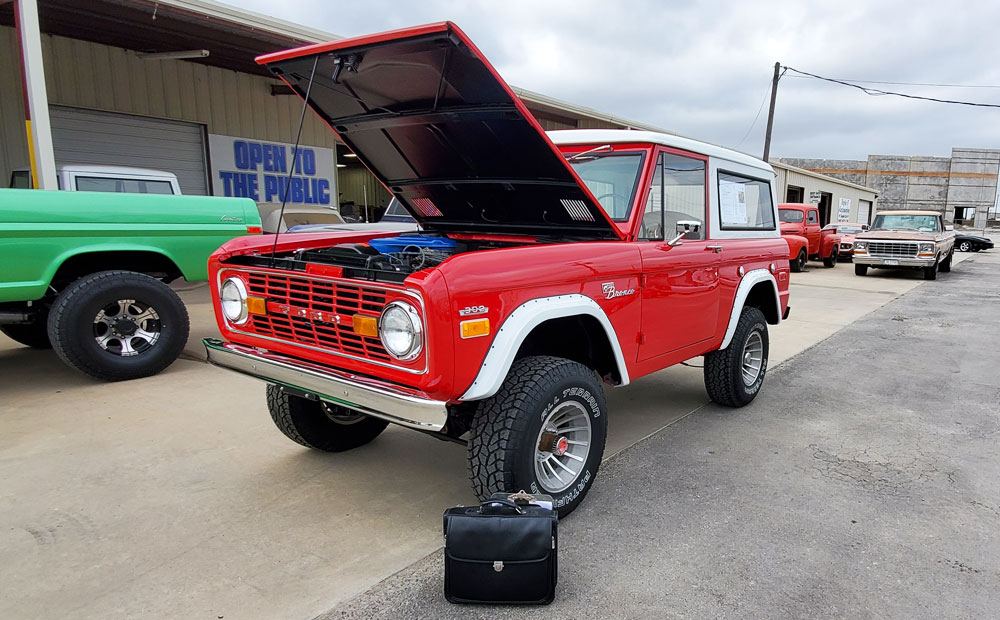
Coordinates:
(369, 396)
(880, 261)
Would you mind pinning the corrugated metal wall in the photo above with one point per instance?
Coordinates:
(87, 75)
(810, 183)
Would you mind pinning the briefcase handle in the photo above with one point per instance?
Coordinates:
(484, 508)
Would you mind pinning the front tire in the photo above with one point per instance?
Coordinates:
(543, 431)
(799, 263)
(945, 265)
(118, 325)
(930, 273)
(34, 335)
(319, 425)
(734, 375)
(861, 270)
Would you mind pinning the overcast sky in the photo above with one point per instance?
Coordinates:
(702, 69)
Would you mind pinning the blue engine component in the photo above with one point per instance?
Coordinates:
(391, 245)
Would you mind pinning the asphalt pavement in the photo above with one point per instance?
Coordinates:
(863, 482)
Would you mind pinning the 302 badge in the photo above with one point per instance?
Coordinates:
(473, 310)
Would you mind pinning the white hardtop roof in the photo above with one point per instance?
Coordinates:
(116, 170)
(615, 136)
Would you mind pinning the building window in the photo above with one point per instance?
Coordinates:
(795, 194)
(965, 214)
(744, 203)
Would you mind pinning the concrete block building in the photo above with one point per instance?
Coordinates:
(962, 187)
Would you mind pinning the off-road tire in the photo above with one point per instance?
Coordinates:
(861, 270)
(930, 273)
(965, 246)
(724, 368)
(71, 325)
(945, 265)
(306, 422)
(800, 261)
(34, 335)
(831, 260)
(502, 449)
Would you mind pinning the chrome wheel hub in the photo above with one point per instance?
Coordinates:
(127, 327)
(753, 358)
(563, 446)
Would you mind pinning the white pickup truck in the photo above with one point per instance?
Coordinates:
(92, 178)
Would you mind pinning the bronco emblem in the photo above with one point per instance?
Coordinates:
(608, 288)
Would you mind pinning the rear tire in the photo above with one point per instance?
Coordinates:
(734, 375)
(861, 270)
(965, 246)
(800, 261)
(118, 325)
(34, 335)
(831, 260)
(319, 425)
(542, 401)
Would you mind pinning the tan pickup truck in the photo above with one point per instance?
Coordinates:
(906, 240)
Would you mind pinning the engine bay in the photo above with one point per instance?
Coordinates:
(385, 259)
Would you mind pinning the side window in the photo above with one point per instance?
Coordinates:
(811, 217)
(98, 184)
(131, 186)
(744, 203)
(676, 194)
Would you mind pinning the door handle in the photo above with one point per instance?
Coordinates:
(716, 248)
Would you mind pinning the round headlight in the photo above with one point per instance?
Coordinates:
(233, 297)
(399, 329)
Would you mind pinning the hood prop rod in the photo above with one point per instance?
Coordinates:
(295, 155)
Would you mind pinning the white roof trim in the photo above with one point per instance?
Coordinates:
(613, 136)
(825, 177)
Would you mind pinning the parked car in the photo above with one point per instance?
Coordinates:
(546, 264)
(906, 240)
(87, 272)
(847, 231)
(972, 243)
(97, 178)
(802, 220)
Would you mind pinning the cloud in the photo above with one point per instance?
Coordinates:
(701, 68)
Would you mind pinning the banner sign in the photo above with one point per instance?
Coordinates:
(844, 210)
(259, 170)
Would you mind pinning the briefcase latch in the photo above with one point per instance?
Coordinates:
(498, 566)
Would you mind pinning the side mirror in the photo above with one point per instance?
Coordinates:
(682, 228)
(866, 227)
(948, 227)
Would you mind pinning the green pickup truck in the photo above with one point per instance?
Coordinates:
(87, 272)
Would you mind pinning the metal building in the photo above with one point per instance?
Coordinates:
(838, 200)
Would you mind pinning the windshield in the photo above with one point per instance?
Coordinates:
(848, 230)
(790, 215)
(612, 178)
(922, 223)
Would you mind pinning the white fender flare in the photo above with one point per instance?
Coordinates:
(751, 279)
(519, 324)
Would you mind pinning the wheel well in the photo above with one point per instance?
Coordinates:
(762, 297)
(149, 263)
(580, 338)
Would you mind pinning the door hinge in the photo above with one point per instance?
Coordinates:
(642, 281)
(641, 338)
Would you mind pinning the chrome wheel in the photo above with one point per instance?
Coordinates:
(563, 446)
(753, 358)
(127, 327)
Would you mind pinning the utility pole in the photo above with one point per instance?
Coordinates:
(770, 111)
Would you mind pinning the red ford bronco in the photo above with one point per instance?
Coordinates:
(546, 264)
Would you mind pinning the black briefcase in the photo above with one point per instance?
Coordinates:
(502, 551)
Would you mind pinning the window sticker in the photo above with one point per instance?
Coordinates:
(733, 203)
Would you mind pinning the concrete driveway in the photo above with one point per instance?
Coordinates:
(174, 496)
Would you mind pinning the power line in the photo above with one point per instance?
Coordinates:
(907, 83)
(875, 92)
(759, 110)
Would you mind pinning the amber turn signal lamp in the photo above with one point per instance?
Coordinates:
(475, 328)
(256, 305)
(366, 325)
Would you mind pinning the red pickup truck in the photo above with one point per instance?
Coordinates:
(802, 220)
(546, 264)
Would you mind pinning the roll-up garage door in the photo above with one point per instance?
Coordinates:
(104, 138)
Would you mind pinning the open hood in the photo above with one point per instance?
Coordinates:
(427, 114)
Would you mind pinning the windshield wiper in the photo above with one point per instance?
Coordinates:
(606, 147)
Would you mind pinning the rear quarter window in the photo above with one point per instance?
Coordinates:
(744, 203)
